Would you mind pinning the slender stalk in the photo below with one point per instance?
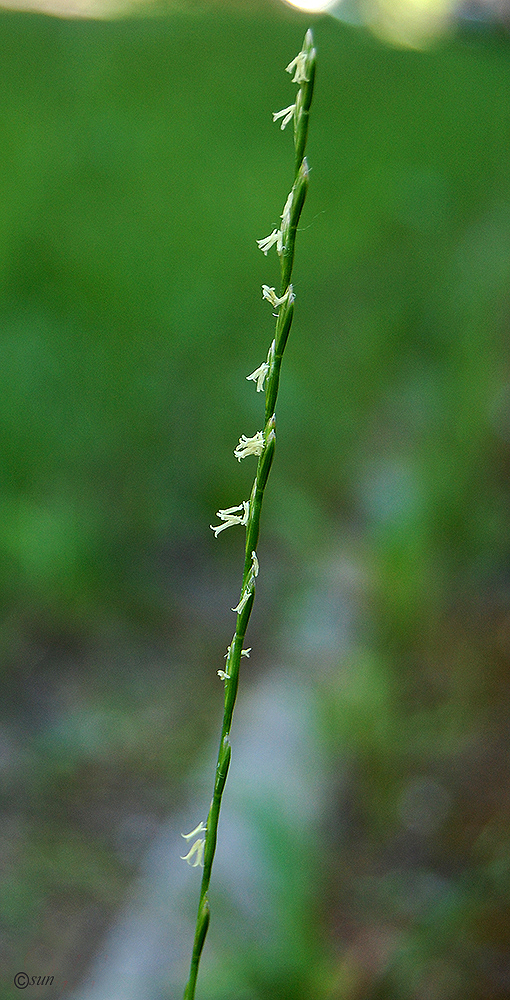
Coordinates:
(263, 445)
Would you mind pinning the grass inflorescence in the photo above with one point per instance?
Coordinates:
(262, 445)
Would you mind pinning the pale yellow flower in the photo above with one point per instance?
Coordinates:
(248, 588)
(196, 852)
(249, 446)
(230, 517)
(271, 296)
(259, 375)
(269, 241)
(285, 216)
(299, 66)
(286, 114)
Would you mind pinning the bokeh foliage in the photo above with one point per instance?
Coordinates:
(139, 165)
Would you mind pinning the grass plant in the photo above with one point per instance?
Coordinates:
(262, 444)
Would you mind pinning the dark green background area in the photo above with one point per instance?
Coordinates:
(138, 166)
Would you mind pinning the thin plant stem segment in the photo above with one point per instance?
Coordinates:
(261, 445)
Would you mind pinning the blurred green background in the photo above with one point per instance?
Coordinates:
(139, 165)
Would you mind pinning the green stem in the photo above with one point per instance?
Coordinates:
(304, 76)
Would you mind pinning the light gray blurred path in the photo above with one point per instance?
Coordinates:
(149, 947)
(276, 759)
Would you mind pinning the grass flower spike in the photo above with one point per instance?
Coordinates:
(249, 446)
(301, 63)
(285, 216)
(230, 517)
(197, 850)
(286, 114)
(224, 673)
(244, 652)
(259, 376)
(262, 446)
(269, 241)
(271, 296)
(248, 591)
